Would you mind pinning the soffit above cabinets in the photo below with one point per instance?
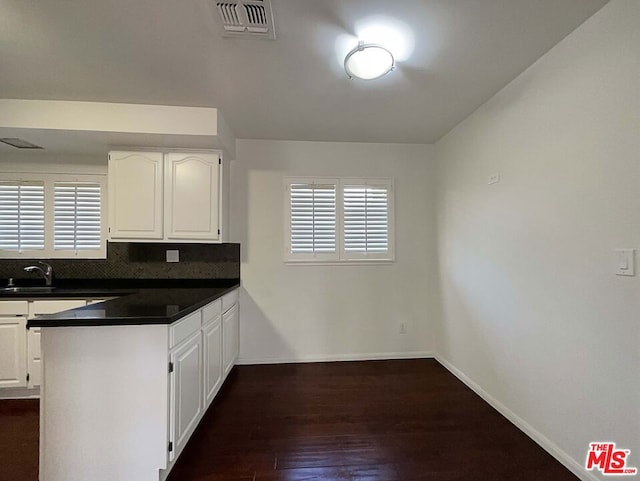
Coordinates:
(63, 127)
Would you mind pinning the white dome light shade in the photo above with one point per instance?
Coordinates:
(368, 62)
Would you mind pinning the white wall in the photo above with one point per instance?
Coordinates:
(532, 311)
(301, 313)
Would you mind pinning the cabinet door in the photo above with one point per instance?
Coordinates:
(13, 351)
(192, 191)
(212, 335)
(186, 391)
(230, 338)
(34, 358)
(135, 195)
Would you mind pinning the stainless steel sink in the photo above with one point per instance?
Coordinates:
(27, 289)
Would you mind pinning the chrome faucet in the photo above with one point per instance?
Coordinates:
(46, 271)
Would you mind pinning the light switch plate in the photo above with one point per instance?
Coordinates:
(625, 262)
(173, 256)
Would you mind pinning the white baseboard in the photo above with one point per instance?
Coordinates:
(338, 357)
(553, 449)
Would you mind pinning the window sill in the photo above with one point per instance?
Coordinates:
(364, 262)
(48, 254)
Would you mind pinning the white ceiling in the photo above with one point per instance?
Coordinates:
(172, 53)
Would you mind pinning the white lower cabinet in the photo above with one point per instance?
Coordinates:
(203, 348)
(34, 358)
(230, 337)
(212, 337)
(51, 306)
(20, 352)
(131, 396)
(186, 391)
(13, 345)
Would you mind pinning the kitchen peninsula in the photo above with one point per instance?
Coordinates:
(126, 381)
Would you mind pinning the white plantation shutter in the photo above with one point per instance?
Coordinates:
(366, 220)
(335, 220)
(312, 219)
(21, 215)
(77, 216)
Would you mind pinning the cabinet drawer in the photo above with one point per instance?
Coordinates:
(184, 328)
(228, 300)
(211, 312)
(37, 308)
(14, 308)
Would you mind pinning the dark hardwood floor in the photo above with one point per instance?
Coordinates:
(366, 421)
(363, 421)
(19, 434)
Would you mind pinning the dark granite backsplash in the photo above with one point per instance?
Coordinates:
(141, 261)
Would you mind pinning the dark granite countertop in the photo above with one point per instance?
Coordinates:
(89, 292)
(138, 302)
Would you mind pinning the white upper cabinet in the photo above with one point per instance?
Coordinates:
(192, 201)
(135, 195)
(171, 197)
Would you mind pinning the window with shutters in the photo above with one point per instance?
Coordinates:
(52, 216)
(22, 216)
(77, 219)
(312, 219)
(366, 220)
(339, 220)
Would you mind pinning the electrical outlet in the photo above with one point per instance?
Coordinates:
(403, 328)
(173, 256)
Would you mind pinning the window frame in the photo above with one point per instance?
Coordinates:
(49, 251)
(341, 256)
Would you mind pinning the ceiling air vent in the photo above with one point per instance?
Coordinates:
(247, 18)
(19, 143)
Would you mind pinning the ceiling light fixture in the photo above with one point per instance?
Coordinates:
(368, 61)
